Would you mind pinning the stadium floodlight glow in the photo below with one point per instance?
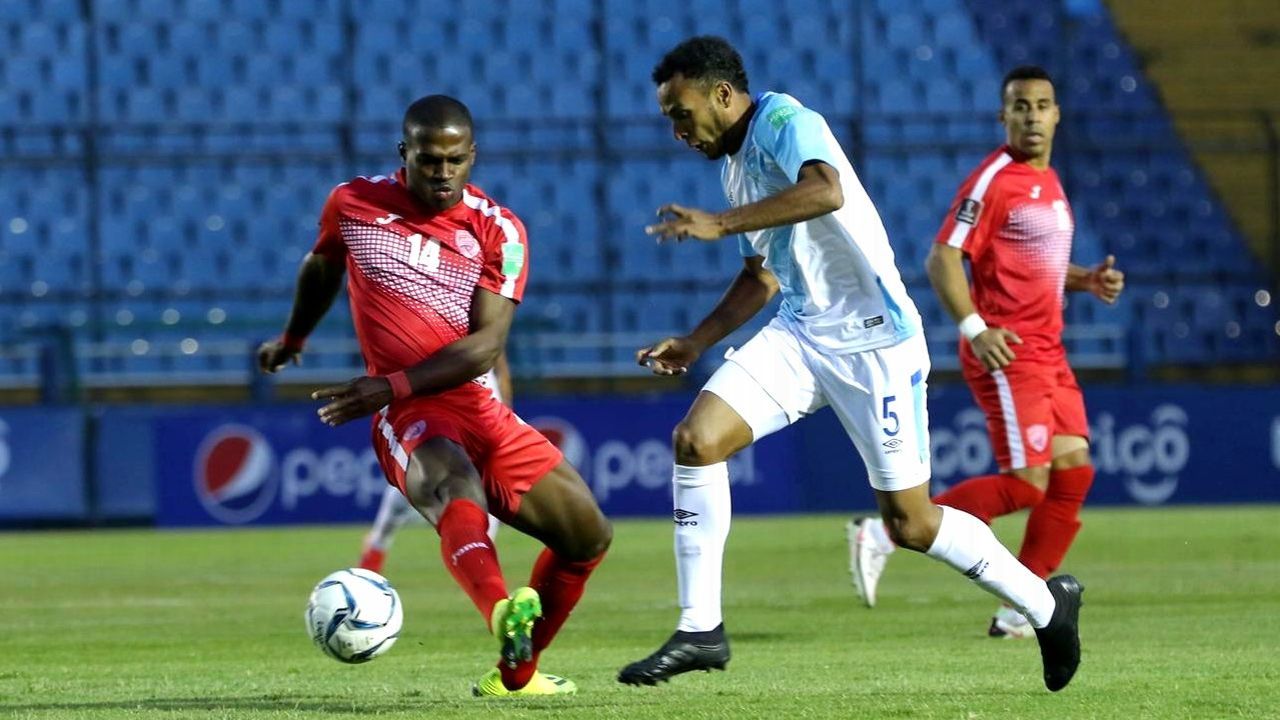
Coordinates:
(1262, 298)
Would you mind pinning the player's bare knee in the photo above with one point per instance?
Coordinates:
(587, 540)
(912, 532)
(1035, 476)
(695, 444)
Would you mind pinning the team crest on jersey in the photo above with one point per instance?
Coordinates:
(1038, 437)
(415, 431)
(467, 243)
(968, 212)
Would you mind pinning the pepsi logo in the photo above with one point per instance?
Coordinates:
(564, 436)
(235, 474)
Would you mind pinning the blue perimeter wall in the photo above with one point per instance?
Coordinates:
(277, 464)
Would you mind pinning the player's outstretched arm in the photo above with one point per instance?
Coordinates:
(319, 280)
(816, 193)
(749, 292)
(945, 267)
(1103, 281)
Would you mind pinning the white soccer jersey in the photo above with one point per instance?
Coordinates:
(841, 290)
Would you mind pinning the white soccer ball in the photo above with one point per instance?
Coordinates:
(354, 615)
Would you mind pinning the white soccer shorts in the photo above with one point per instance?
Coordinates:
(878, 395)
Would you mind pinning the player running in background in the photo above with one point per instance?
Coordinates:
(436, 269)
(846, 335)
(1011, 219)
(395, 510)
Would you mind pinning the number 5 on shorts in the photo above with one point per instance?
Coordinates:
(891, 415)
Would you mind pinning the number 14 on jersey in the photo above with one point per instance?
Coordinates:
(428, 257)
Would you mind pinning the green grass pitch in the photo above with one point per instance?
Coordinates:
(1182, 620)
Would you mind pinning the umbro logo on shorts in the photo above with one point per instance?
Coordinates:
(892, 445)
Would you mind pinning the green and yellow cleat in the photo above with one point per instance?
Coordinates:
(540, 684)
(512, 621)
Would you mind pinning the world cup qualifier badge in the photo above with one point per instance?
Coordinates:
(968, 211)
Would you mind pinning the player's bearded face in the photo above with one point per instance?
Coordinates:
(697, 120)
(437, 164)
(1030, 116)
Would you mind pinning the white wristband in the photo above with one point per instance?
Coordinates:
(972, 326)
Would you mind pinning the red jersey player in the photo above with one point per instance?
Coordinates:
(1012, 220)
(435, 271)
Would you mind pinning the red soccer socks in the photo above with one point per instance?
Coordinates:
(1055, 521)
(989, 496)
(469, 554)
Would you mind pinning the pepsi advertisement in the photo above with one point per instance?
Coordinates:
(280, 465)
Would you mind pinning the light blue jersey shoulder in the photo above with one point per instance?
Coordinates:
(836, 274)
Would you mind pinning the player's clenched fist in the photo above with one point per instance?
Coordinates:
(672, 356)
(274, 354)
(356, 399)
(991, 346)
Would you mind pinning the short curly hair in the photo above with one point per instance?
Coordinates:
(705, 58)
(1025, 72)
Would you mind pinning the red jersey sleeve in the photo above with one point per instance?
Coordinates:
(506, 266)
(329, 239)
(976, 212)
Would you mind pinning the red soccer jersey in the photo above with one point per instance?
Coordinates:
(1014, 223)
(412, 271)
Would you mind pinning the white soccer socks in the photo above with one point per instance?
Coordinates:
(965, 543)
(702, 514)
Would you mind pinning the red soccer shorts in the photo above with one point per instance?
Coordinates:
(1026, 405)
(510, 456)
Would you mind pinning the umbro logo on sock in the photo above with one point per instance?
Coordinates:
(976, 571)
(682, 517)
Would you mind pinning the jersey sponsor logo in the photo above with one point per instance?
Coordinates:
(873, 322)
(779, 117)
(235, 478)
(387, 219)
(467, 244)
(1038, 437)
(968, 211)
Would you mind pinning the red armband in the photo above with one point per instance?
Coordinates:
(399, 385)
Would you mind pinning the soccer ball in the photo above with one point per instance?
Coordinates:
(354, 615)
